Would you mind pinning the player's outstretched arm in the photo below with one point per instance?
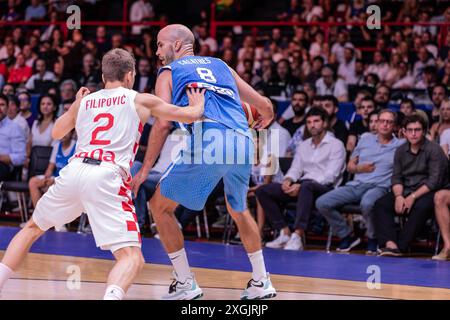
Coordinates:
(161, 109)
(251, 96)
(66, 122)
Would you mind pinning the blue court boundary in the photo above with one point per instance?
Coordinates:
(352, 267)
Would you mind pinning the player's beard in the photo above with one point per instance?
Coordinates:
(169, 57)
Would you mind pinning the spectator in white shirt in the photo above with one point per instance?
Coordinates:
(41, 73)
(317, 168)
(29, 55)
(346, 68)
(141, 10)
(444, 141)
(404, 80)
(272, 144)
(329, 85)
(14, 114)
(41, 131)
(339, 46)
(379, 66)
(425, 59)
(205, 39)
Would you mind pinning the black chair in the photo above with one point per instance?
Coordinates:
(39, 159)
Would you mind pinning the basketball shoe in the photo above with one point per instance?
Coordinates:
(187, 290)
(261, 289)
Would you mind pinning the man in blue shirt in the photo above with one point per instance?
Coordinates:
(12, 142)
(35, 11)
(192, 176)
(372, 163)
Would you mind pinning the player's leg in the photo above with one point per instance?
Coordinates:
(129, 263)
(59, 205)
(17, 250)
(236, 186)
(260, 286)
(184, 286)
(106, 197)
(163, 209)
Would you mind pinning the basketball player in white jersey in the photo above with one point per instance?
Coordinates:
(96, 180)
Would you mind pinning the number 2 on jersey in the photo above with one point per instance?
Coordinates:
(110, 121)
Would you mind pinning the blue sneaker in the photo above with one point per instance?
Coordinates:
(261, 289)
(372, 247)
(348, 243)
(187, 290)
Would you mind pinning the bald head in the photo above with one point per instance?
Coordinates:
(179, 32)
(174, 41)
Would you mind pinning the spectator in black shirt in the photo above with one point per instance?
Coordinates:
(145, 78)
(420, 169)
(89, 71)
(358, 127)
(382, 97)
(283, 80)
(299, 104)
(331, 105)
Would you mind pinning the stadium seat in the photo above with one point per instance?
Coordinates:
(39, 160)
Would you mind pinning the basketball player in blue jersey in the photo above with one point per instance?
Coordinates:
(189, 182)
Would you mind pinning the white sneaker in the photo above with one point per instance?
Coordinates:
(187, 290)
(278, 242)
(261, 289)
(294, 243)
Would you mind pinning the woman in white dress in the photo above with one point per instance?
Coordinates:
(41, 131)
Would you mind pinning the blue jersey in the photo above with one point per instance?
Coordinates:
(222, 101)
(61, 159)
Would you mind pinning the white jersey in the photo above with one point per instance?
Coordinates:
(108, 127)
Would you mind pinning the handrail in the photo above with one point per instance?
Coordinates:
(84, 23)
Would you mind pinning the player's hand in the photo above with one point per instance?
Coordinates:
(136, 182)
(263, 123)
(264, 120)
(197, 100)
(83, 92)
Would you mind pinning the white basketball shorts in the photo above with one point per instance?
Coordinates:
(98, 190)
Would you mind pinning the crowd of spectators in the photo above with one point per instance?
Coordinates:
(341, 68)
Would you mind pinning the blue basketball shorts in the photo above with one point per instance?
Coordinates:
(212, 152)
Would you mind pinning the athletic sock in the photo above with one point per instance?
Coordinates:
(5, 274)
(114, 292)
(258, 266)
(180, 264)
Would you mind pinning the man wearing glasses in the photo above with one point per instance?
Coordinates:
(372, 163)
(420, 169)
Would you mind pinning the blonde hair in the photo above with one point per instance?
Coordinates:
(116, 63)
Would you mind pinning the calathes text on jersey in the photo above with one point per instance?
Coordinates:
(194, 61)
(105, 102)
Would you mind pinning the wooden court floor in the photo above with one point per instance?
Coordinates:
(45, 276)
